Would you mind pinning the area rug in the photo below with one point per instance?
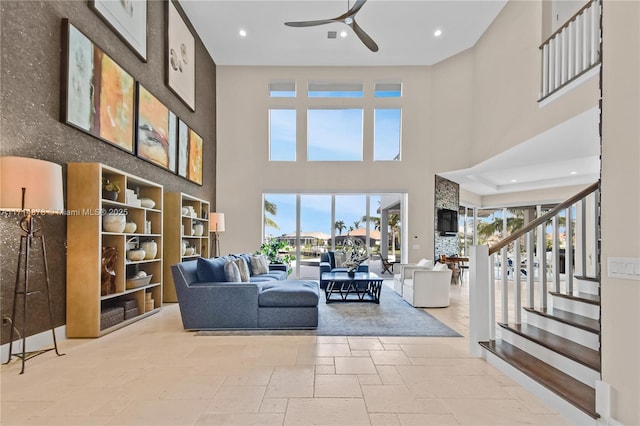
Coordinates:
(392, 317)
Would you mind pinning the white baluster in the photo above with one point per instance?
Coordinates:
(556, 255)
(505, 286)
(568, 252)
(517, 297)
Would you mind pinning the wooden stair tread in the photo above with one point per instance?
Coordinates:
(579, 321)
(568, 348)
(580, 297)
(575, 392)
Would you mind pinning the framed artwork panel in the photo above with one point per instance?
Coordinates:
(195, 157)
(128, 19)
(183, 148)
(190, 146)
(154, 141)
(180, 57)
(98, 95)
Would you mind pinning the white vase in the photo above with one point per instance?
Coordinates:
(198, 229)
(150, 249)
(114, 222)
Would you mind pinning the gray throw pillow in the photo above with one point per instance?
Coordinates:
(231, 272)
(243, 269)
(259, 265)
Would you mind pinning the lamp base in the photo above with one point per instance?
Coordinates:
(33, 228)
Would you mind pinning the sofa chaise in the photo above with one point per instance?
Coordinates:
(208, 301)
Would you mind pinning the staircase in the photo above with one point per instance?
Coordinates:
(553, 336)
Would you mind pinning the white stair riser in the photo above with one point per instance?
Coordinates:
(578, 335)
(581, 308)
(586, 286)
(574, 369)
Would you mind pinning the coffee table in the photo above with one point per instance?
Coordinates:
(363, 286)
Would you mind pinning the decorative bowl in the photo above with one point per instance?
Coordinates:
(113, 222)
(136, 254)
(136, 282)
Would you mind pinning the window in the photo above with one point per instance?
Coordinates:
(335, 113)
(282, 135)
(334, 134)
(388, 90)
(386, 137)
(311, 224)
(334, 90)
(282, 89)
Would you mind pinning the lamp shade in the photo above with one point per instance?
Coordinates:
(216, 222)
(41, 180)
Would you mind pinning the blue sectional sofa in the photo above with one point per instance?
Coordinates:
(328, 264)
(207, 301)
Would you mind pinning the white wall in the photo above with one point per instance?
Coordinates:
(455, 114)
(621, 204)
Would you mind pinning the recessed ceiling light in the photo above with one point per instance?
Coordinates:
(343, 34)
(437, 33)
(573, 173)
(242, 33)
(514, 180)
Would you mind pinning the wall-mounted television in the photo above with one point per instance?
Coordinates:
(447, 221)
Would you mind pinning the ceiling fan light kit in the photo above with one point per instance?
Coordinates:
(347, 18)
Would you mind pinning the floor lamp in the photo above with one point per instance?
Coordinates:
(216, 226)
(30, 188)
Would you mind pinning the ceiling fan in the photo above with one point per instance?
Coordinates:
(347, 18)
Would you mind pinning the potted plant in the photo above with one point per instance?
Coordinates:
(272, 251)
(110, 190)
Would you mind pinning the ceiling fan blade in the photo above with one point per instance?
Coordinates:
(362, 35)
(351, 12)
(309, 23)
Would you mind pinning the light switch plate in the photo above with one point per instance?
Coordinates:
(626, 268)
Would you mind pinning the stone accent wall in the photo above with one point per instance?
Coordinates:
(446, 196)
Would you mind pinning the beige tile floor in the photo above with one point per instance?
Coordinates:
(155, 373)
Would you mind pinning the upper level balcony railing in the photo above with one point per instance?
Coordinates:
(572, 50)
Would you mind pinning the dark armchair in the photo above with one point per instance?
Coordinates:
(328, 264)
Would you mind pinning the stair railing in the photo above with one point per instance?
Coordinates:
(483, 260)
(572, 50)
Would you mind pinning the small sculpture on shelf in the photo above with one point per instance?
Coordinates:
(108, 273)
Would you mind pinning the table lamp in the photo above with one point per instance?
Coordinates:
(216, 225)
(30, 188)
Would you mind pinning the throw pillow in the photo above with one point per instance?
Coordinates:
(211, 270)
(259, 265)
(424, 262)
(243, 269)
(231, 272)
(440, 267)
(340, 259)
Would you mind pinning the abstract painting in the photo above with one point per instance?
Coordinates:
(195, 158)
(153, 139)
(97, 95)
(190, 145)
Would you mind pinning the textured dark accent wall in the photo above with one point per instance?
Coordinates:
(30, 126)
(446, 196)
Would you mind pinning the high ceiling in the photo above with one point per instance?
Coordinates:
(403, 30)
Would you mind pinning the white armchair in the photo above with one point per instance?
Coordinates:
(428, 288)
(406, 270)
